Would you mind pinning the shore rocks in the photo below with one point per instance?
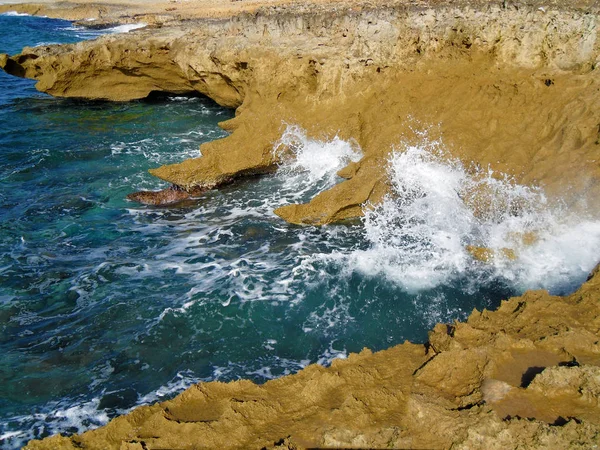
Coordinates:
(524, 376)
(470, 74)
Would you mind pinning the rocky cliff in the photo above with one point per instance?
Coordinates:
(515, 88)
(524, 376)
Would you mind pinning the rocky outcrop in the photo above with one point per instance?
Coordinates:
(521, 99)
(167, 196)
(524, 376)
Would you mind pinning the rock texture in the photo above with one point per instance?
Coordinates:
(167, 196)
(524, 376)
(512, 87)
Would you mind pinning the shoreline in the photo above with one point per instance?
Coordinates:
(471, 386)
(462, 66)
(522, 105)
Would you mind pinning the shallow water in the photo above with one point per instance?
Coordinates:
(106, 304)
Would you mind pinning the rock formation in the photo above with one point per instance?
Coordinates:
(524, 376)
(515, 88)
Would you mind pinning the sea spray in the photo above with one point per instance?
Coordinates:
(262, 270)
(311, 165)
(421, 234)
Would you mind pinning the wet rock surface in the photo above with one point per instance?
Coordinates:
(171, 195)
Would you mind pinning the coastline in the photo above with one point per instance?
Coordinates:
(466, 387)
(525, 375)
(517, 101)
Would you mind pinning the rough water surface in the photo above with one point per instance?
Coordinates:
(106, 304)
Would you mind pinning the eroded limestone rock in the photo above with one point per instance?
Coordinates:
(524, 376)
(521, 100)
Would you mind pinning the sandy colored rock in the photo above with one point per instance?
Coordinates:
(496, 381)
(520, 100)
(487, 255)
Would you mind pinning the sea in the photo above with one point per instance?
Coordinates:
(106, 304)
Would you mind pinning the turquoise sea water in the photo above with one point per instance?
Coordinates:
(106, 304)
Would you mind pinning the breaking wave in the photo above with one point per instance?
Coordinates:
(445, 221)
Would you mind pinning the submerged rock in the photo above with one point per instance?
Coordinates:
(173, 194)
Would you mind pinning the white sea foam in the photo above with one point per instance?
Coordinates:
(14, 13)
(251, 276)
(186, 99)
(10, 435)
(84, 32)
(330, 354)
(77, 418)
(419, 234)
(319, 160)
(126, 28)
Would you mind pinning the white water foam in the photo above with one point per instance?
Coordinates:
(77, 418)
(84, 32)
(419, 234)
(207, 252)
(126, 28)
(318, 159)
(312, 169)
(13, 13)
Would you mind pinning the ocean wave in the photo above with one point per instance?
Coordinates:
(126, 28)
(420, 235)
(13, 13)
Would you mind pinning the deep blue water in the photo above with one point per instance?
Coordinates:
(106, 304)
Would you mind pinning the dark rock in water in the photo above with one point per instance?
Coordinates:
(97, 24)
(173, 194)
